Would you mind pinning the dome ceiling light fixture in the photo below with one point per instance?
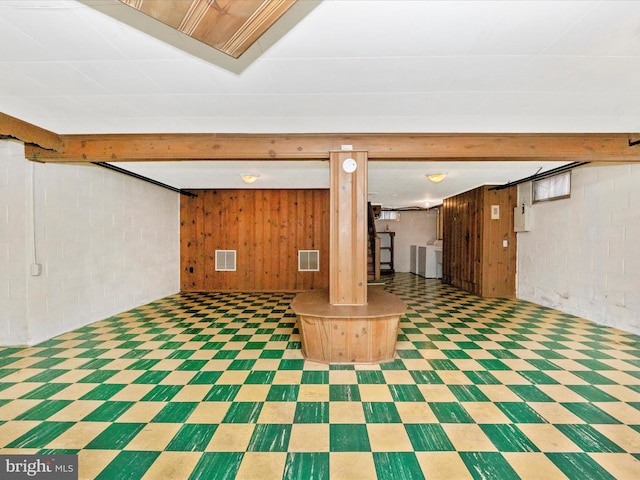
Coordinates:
(249, 178)
(436, 177)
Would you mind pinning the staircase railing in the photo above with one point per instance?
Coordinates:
(373, 268)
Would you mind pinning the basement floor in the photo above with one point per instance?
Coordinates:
(213, 386)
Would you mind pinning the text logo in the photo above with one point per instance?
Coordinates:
(39, 467)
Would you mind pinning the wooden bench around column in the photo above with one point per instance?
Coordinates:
(348, 334)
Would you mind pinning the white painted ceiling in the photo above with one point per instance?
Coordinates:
(339, 66)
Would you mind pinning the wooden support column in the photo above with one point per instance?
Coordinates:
(354, 326)
(348, 234)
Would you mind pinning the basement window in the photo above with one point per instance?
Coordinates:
(308, 260)
(552, 188)
(225, 260)
(389, 215)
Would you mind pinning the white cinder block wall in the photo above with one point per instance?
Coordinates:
(582, 255)
(13, 306)
(106, 243)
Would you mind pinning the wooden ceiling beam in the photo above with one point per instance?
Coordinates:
(411, 146)
(11, 127)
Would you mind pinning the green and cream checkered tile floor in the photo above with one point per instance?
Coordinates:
(213, 386)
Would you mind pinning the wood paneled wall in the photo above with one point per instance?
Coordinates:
(474, 256)
(265, 227)
(462, 240)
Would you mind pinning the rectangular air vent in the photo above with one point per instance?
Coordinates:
(308, 260)
(226, 260)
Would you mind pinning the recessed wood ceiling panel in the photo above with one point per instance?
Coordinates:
(230, 26)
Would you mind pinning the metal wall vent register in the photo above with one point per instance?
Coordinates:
(226, 260)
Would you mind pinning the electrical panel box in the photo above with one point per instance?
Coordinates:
(522, 218)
